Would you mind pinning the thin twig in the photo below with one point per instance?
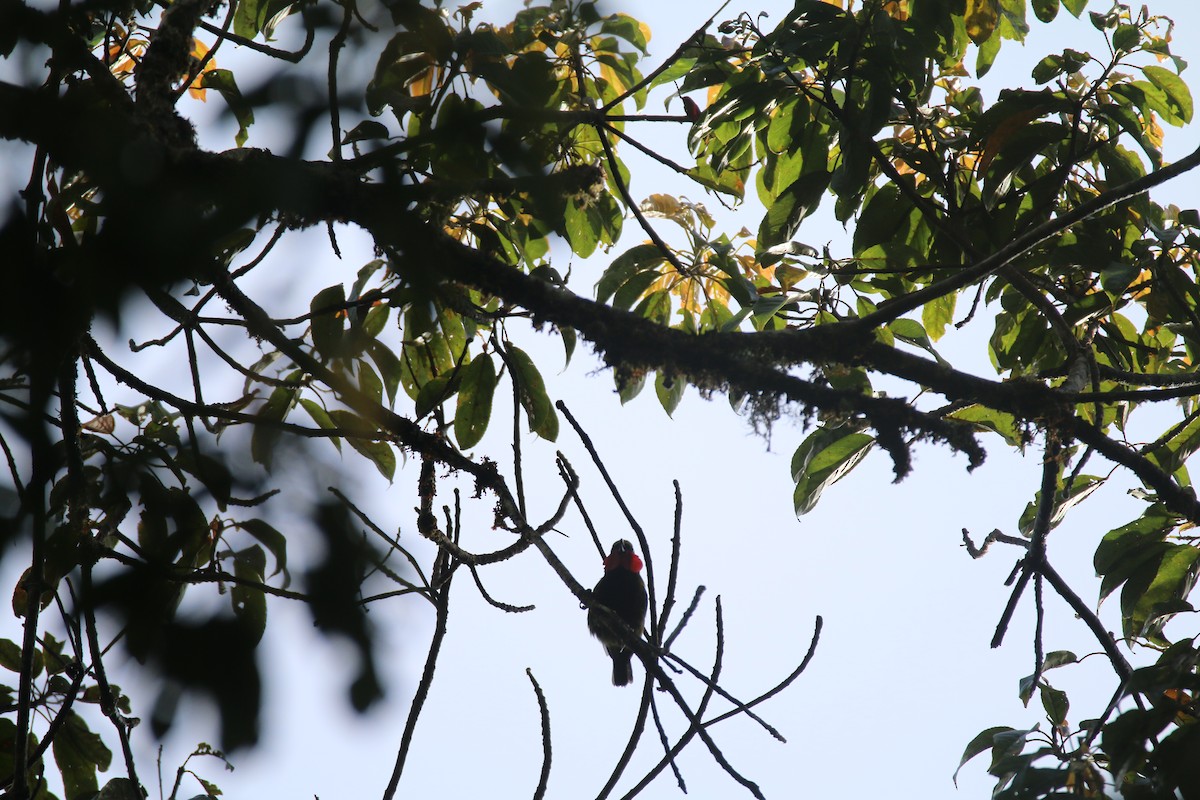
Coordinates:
(994, 536)
(442, 604)
(697, 725)
(108, 703)
(818, 623)
(1036, 557)
(544, 711)
(616, 493)
(666, 744)
(673, 574)
(683, 621)
(493, 601)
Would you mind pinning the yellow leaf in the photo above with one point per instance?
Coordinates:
(199, 51)
(423, 82)
(896, 9)
(105, 423)
(981, 18)
(661, 205)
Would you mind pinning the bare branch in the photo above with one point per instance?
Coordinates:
(544, 710)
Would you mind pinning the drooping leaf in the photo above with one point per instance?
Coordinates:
(328, 321)
(543, 419)
(250, 602)
(79, 754)
(223, 81)
(824, 458)
(475, 394)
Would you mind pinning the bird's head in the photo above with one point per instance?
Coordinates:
(622, 557)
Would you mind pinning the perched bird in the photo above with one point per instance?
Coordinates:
(691, 109)
(622, 591)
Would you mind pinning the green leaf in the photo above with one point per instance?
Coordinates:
(981, 18)
(824, 458)
(376, 320)
(250, 602)
(361, 435)
(670, 391)
(365, 131)
(223, 82)
(433, 394)
(1170, 454)
(255, 16)
(380, 454)
(273, 540)
(531, 389)
(1053, 659)
(937, 314)
(1179, 97)
(637, 259)
(1045, 10)
(569, 339)
(125, 789)
(322, 418)
(911, 331)
(1064, 500)
(1126, 37)
(1056, 704)
(1171, 581)
(10, 655)
(1127, 550)
(475, 394)
(79, 753)
(328, 321)
(582, 225)
(984, 740)
(990, 419)
(793, 204)
(265, 435)
(368, 382)
(389, 368)
(628, 28)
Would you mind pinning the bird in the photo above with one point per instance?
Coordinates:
(622, 591)
(690, 109)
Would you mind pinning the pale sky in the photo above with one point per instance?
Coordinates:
(902, 680)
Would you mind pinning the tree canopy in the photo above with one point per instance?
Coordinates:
(485, 162)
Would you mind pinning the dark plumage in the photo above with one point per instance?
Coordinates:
(622, 591)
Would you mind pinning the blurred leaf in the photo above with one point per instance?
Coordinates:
(249, 602)
(265, 435)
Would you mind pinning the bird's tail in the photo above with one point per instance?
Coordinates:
(622, 668)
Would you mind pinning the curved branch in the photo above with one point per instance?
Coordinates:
(544, 711)
(442, 605)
